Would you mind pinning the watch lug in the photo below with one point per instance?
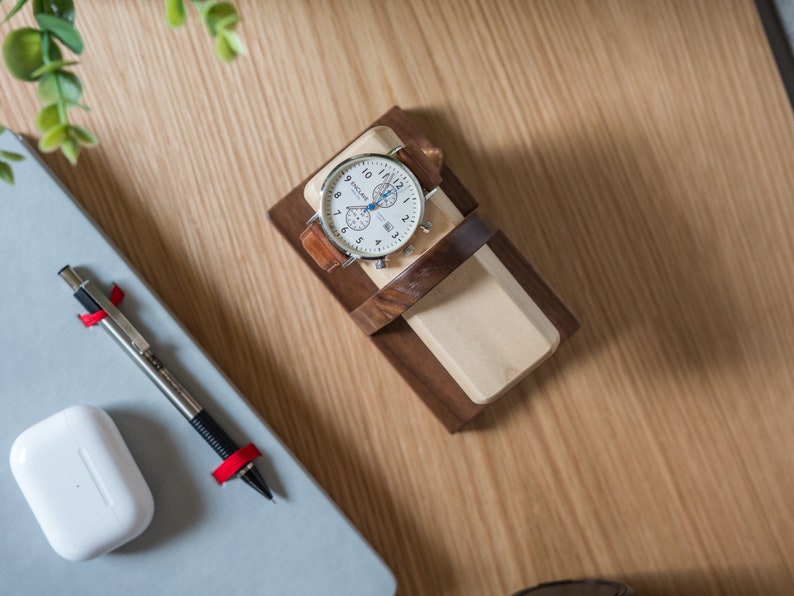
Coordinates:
(429, 194)
(313, 218)
(395, 150)
(349, 262)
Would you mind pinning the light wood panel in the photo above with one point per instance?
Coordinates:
(641, 154)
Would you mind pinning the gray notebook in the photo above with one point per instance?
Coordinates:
(203, 539)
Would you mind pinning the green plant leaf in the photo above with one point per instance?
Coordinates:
(224, 12)
(11, 156)
(14, 10)
(2, 129)
(53, 138)
(53, 66)
(22, 53)
(71, 149)
(203, 6)
(71, 86)
(6, 173)
(60, 86)
(49, 48)
(175, 14)
(47, 117)
(83, 136)
(224, 51)
(228, 23)
(57, 8)
(63, 30)
(235, 42)
(48, 89)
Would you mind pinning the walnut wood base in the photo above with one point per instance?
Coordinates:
(397, 341)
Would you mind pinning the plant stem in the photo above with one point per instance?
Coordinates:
(46, 41)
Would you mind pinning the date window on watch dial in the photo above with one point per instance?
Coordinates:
(388, 226)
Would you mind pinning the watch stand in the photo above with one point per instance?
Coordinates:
(463, 318)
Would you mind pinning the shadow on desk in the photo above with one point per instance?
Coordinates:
(178, 503)
(599, 217)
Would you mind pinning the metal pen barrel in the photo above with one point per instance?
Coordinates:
(154, 369)
(146, 360)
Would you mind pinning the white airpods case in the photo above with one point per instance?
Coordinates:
(81, 482)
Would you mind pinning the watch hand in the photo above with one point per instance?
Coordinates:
(372, 206)
(383, 196)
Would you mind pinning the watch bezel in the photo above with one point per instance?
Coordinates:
(349, 251)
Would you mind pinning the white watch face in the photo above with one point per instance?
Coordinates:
(371, 205)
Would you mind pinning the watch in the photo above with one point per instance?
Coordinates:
(371, 205)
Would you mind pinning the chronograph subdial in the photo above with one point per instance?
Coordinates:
(384, 195)
(357, 218)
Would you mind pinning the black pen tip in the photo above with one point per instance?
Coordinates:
(254, 479)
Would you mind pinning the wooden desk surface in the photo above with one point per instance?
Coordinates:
(640, 153)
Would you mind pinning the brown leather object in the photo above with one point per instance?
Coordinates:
(316, 243)
(422, 166)
(423, 275)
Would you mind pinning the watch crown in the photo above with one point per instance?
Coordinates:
(408, 250)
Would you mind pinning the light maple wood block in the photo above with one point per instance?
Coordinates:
(478, 322)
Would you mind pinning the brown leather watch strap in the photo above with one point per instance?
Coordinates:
(416, 160)
(423, 275)
(316, 243)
